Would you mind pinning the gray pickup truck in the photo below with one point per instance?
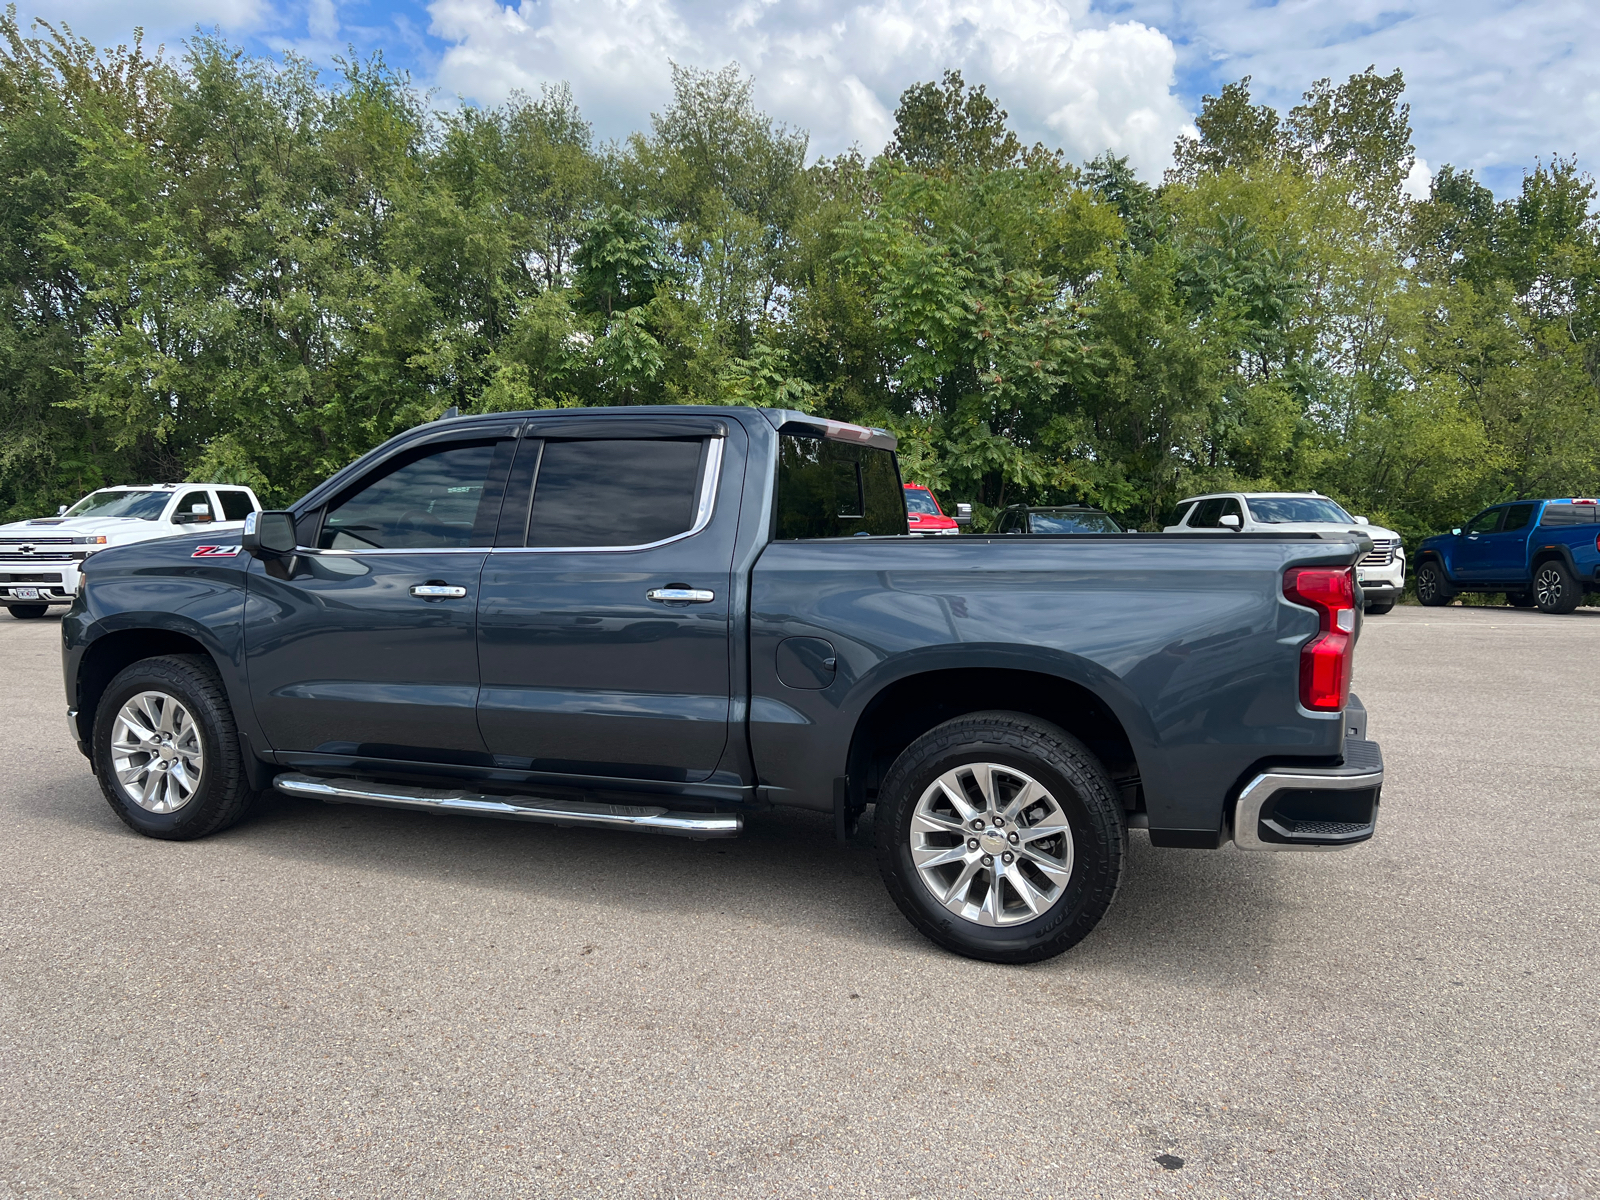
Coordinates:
(665, 619)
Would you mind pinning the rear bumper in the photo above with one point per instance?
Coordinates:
(1312, 808)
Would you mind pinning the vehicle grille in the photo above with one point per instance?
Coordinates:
(36, 541)
(28, 560)
(26, 578)
(1382, 552)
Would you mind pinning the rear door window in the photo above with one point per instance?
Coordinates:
(616, 491)
(1517, 517)
(830, 489)
(236, 505)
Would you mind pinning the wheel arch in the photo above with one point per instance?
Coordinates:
(110, 653)
(1550, 551)
(905, 708)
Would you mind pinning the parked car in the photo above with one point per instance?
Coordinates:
(1543, 553)
(1381, 571)
(664, 619)
(40, 560)
(1059, 518)
(926, 517)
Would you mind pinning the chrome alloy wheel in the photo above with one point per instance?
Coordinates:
(156, 752)
(991, 844)
(1548, 585)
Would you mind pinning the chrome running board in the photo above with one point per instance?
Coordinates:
(646, 818)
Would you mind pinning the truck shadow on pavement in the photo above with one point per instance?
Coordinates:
(1212, 916)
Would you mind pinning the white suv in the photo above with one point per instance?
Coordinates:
(39, 559)
(1382, 573)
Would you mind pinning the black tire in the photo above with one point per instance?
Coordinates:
(28, 612)
(1378, 608)
(1519, 599)
(1555, 591)
(1079, 786)
(223, 794)
(1433, 589)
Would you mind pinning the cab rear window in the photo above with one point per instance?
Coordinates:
(1570, 514)
(829, 489)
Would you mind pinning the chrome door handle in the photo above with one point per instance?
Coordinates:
(438, 591)
(682, 595)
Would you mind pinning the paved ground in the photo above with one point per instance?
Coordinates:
(347, 1002)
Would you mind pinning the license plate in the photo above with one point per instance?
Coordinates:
(25, 593)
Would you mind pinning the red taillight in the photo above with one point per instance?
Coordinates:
(1325, 659)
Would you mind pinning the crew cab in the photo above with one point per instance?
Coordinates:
(1381, 573)
(669, 619)
(40, 559)
(1540, 553)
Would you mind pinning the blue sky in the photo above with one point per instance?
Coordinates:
(1493, 84)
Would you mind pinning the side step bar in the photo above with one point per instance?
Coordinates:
(645, 818)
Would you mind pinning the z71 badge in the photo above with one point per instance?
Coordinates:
(215, 551)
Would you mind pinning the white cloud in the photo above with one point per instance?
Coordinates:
(834, 68)
(1419, 183)
(1492, 83)
(109, 23)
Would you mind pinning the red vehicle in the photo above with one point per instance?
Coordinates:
(924, 513)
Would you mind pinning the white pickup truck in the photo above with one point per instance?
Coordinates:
(1381, 572)
(39, 559)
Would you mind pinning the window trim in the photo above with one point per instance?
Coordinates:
(705, 506)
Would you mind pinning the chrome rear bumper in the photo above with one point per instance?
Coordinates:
(1312, 808)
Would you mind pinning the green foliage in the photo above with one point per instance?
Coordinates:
(224, 267)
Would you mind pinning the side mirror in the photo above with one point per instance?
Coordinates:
(1456, 531)
(1229, 520)
(268, 534)
(61, 510)
(1361, 521)
(963, 515)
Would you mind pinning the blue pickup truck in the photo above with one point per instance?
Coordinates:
(1540, 553)
(665, 619)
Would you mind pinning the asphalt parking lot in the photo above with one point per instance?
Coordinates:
(346, 1002)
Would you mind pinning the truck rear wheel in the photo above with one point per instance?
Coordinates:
(1000, 837)
(28, 612)
(1433, 589)
(166, 749)
(1554, 588)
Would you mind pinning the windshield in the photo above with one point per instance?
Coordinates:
(146, 506)
(921, 501)
(1071, 522)
(1295, 510)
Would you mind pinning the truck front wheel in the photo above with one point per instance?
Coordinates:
(1433, 589)
(1554, 588)
(1000, 837)
(166, 749)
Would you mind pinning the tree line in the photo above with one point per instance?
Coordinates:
(219, 266)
